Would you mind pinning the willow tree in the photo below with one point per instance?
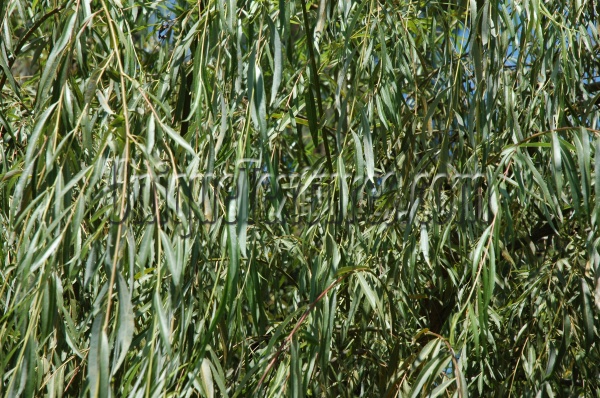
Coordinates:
(337, 198)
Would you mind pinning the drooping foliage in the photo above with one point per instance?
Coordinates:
(294, 198)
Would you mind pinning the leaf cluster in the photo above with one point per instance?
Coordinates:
(268, 198)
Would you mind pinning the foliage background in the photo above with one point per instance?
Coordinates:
(334, 198)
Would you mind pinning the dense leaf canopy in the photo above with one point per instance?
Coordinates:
(295, 198)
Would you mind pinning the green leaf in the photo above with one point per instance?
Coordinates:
(344, 194)
(6, 69)
(369, 293)
(126, 323)
(424, 243)
(163, 324)
(368, 144)
(587, 313)
(296, 389)
(426, 373)
(479, 250)
(98, 374)
(242, 210)
(359, 159)
(170, 259)
(29, 163)
(278, 67)
(207, 379)
(53, 61)
(178, 139)
(311, 114)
